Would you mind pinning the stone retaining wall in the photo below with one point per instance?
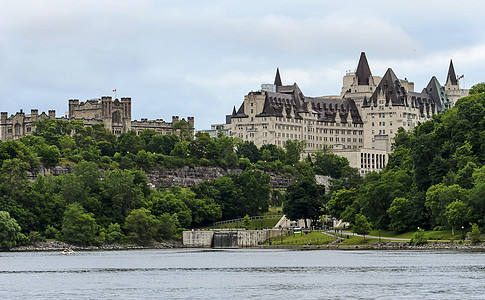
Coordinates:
(183, 177)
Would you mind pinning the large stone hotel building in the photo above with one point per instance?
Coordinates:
(359, 124)
(114, 114)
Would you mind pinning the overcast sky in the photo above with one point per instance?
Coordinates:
(199, 58)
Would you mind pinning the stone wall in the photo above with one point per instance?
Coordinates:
(187, 176)
(184, 177)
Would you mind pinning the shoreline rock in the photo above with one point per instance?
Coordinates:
(60, 246)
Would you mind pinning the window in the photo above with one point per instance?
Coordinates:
(17, 129)
(116, 117)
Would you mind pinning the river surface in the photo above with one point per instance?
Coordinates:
(242, 274)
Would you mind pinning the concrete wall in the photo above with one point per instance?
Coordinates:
(198, 239)
(245, 238)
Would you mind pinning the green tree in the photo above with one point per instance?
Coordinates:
(50, 155)
(9, 231)
(79, 227)
(340, 201)
(162, 144)
(326, 163)
(247, 222)
(141, 226)
(114, 234)
(120, 195)
(379, 191)
(361, 225)
(455, 214)
(181, 149)
(400, 214)
(477, 88)
(304, 200)
(248, 150)
(438, 197)
(129, 142)
(294, 149)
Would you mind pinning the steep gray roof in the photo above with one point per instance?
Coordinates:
(451, 74)
(392, 89)
(437, 94)
(277, 78)
(286, 100)
(431, 100)
(335, 110)
(240, 113)
(363, 70)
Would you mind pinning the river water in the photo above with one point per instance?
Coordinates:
(242, 274)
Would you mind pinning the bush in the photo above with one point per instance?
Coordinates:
(419, 238)
(475, 233)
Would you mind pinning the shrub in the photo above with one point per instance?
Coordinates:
(419, 238)
(475, 233)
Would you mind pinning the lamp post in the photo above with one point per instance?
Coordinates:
(462, 233)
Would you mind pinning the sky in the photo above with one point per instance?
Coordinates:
(199, 58)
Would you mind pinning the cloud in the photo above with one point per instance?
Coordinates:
(199, 58)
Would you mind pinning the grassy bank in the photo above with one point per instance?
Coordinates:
(312, 238)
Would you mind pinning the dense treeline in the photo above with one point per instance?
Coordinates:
(107, 199)
(435, 178)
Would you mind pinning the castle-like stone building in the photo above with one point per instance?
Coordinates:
(359, 124)
(114, 114)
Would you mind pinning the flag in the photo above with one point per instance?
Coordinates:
(461, 77)
(114, 90)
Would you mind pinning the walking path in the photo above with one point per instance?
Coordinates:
(374, 237)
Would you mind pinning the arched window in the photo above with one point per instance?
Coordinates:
(116, 117)
(17, 129)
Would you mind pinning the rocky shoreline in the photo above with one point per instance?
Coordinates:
(60, 246)
(383, 246)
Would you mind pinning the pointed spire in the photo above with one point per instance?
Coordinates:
(451, 74)
(234, 111)
(277, 79)
(363, 71)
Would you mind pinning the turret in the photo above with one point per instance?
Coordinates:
(52, 114)
(34, 115)
(126, 107)
(73, 105)
(190, 120)
(106, 103)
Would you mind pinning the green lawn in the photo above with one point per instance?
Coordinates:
(430, 235)
(313, 238)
